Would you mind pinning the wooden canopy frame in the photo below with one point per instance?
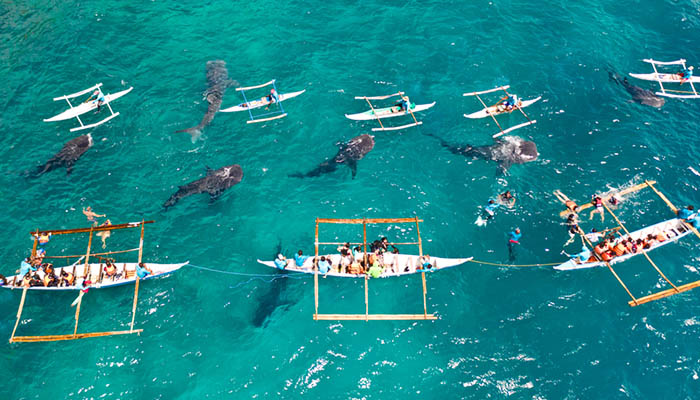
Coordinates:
(367, 316)
(75, 334)
(675, 289)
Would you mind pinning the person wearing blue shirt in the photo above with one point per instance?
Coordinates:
(688, 215)
(686, 74)
(280, 262)
(299, 259)
(143, 271)
(513, 239)
(490, 208)
(25, 267)
(323, 266)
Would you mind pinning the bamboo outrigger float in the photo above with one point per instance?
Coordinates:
(673, 230)
(94, 273)
(367, 316)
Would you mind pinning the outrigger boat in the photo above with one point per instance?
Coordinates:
(394, 265)
(273, 98)
(662, 78)
(87, 106)
(672, 229)
(663, 233)
(86, 275)
(396, 110)
(499, 108)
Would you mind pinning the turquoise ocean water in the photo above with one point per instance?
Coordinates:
(501, 332)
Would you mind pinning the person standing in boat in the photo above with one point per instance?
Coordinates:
(98, 97)
(686, 74)
(271, 98)
(597, 202)
(510, 102)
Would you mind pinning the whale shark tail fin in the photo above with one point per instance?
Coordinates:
(194, 132)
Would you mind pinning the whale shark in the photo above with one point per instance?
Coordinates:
(506, 151)
(217, 83)
(639, 95)
(68, 155)
(349, 154)
(215, 182)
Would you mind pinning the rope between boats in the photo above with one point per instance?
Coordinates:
(514, 265)
(239, 273)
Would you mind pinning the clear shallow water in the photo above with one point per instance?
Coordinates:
(529, 333)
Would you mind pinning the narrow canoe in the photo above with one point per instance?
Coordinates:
(261, 102)
(100, 282)
(82, 108)
(674, 229)
(667, 78)
(493, 110)
(387, 112)
(395, 265)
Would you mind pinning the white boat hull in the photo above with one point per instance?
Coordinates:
(665, 78)
(493, 110)
(387, 112)
(395, 265)
(673, 228)
(261, 102)
(83, 108)
(94, 276)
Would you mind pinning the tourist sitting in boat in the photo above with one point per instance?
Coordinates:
(345, 262)
(355, 268)
(607, 256)
(300, 259)
(424, 263)
(47, 268)
(281, 262)
(67, 278)
(142, 270)
(601, 248)
(508, 103)
(661, 237)
(50, 280)
(686, 74)
(110, 270)
(597, 202)
(619, 249)
(36, 280)
(357, 253)
(507, 199)
(376, 270)
(631, 246)
(26, 280)
(324, 266)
